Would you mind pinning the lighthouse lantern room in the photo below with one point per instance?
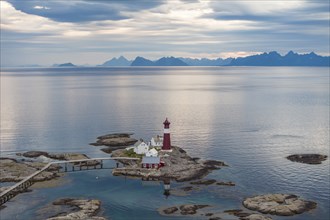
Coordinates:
(166, 138)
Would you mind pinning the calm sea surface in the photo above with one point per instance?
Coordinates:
(249, 117)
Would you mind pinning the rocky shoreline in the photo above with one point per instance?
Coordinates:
(179, 166)
(272, 204)
(195, 210)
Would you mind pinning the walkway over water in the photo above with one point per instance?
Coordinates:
(12, 191)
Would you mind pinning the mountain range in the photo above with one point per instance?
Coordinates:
(164, 61)
(265, 59)
(120, 61)
(206, 62)
(64, 65)
(275, 59)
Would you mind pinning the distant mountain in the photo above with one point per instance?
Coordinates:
(64, 65)
(120, 61)
(140, 61)
(206, 62)
(170, 61)
(165, 61)
(275, 59)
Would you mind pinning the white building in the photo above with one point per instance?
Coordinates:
(152, 153)
(157, 141)
(140, 147)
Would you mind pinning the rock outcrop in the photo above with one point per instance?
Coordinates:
(307, 158)
(60, 156)
(211, 182)
(13, 171)
(114, 141)
(279, 204)
(87, 209)
(188, 209)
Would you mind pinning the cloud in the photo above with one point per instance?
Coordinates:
(81, 10)
(41, 7)
(103, 29)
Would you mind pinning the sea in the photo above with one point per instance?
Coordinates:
(251, 118)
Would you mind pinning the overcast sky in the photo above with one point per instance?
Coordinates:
(93, 31)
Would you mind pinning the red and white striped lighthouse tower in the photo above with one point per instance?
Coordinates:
(166, 139)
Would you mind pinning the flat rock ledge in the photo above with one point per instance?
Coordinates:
(59, 156)
(211, 182)
(13, 171)
(179, 166)
(307, 158)
(82, 209)
(114, 141)
(278, 204)
(246, 215)
(188, 209)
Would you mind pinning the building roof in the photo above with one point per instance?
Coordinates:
(151, 160)
(138, 143)
(153, 150)
(158, 138)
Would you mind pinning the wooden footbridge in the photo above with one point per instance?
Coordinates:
(12, 191)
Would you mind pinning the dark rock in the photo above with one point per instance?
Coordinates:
(208, 214)
(187, 188)
(237, 213)
(225, 183)
(215, 218)
(35, 154)
(170, 210)
(191, 209)
(215, 163)
(307, 158)
(203, 182)
(117, 140)
(115, 135)
(64, 201)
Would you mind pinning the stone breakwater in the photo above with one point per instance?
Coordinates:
(179, 166)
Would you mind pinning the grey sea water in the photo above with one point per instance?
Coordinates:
(249, 117)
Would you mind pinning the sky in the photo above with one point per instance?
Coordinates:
(93, 31)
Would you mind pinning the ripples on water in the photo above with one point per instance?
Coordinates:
(252, 118)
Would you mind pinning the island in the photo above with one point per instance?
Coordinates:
(78, 209)
(307, 158)
(175, 165)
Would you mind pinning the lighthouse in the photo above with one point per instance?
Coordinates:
(166, 139)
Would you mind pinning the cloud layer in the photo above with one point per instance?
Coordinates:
(84, 31)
